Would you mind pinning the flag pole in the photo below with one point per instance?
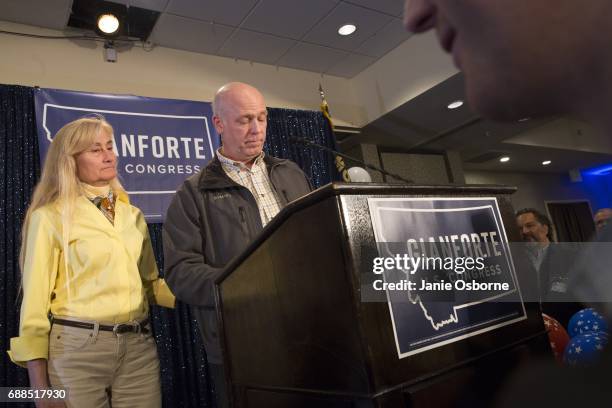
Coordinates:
(339, 161)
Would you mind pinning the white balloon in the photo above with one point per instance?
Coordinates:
(359, 175)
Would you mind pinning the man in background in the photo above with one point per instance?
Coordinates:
(536, 229)
(552, 262)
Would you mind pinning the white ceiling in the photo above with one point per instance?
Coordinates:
(426, 124)
(299, 34)
(302, 34)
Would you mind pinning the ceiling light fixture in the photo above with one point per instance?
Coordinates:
(108, 23)
(504, 159)
(455, 105)
(347, 29)
(524, 119)
(546, 162)
(110, 53)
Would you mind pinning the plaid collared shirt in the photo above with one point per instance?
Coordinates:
(257, 181)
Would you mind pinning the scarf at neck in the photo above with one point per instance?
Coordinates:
(101, 197)
(94, 191)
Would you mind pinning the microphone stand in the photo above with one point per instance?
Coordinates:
(309, 143)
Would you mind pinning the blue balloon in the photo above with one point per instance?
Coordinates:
(585, 349)
(586, 321)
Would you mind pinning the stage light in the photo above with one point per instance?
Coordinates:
(504, 159)
(455, 104)
(347, 29)
(108, 24)
(546, 162)
(604, 170)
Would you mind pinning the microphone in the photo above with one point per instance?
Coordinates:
(306, 142)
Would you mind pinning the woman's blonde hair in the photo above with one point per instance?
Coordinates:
(59, 182)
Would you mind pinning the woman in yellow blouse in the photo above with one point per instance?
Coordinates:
(88, 276)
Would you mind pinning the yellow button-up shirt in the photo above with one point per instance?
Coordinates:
(111, 273)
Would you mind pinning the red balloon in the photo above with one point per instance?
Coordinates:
(557, 335)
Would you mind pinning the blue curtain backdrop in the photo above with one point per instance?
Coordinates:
(183, 361)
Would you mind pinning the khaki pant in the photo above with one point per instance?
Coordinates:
(101, 369)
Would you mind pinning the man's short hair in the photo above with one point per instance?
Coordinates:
(540, 217)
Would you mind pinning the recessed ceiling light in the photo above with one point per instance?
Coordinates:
(455, 105)
(347, 29)
(108, 23)
(504, 159)
(546, 162)
(524, 119)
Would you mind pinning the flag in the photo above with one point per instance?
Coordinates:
(339, 161)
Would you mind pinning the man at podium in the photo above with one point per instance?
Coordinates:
(215, 214)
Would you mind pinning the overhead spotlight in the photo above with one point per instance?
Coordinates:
(108, 25)
(546, 162)
(455, 104)
(504, 159)
(112, 20)
(524, 119)
(347, 29)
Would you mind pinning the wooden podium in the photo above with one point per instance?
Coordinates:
(296, 333)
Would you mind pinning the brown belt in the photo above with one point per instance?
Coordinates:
(121, 328)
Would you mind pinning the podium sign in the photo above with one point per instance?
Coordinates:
(441, 306)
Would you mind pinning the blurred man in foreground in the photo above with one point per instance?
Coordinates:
(526, 58)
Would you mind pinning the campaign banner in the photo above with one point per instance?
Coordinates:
(158, 142)
(446, 269)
